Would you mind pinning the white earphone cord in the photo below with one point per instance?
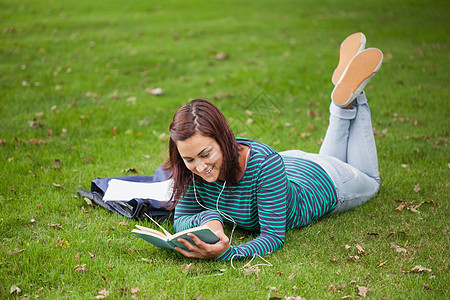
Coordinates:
(224, 215)
(229, 218)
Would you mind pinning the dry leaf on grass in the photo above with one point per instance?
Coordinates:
(420, 269)
(221, 56)
(102, 294)
(332, 288)
(362, 291)
(55, 225)
(355, 258)
(58, 185)
(401, 206)
(360, 249)
(81, 268)
(15, 289)
(187, 268)
(398, 248)
(36, 142)
(382, 264)
(92, 256)
(155, 91)
(88, 201)
(14, 251)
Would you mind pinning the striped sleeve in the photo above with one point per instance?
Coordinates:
(271, 192)
(189, 213)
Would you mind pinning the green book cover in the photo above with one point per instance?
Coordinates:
(167, 240)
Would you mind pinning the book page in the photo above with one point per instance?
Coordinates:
(121, 190)
(153, 239)
(154, 232)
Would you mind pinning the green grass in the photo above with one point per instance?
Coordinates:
(81, 69)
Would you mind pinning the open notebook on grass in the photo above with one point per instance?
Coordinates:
(122, 190)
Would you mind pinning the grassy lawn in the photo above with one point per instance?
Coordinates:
(75, 78)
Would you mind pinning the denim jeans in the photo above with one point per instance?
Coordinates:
(348, 154)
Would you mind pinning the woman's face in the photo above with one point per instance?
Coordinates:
(202, 155)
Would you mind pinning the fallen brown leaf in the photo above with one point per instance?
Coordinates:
(401, 206)
(332, 288)
(81, 268)
(36, 142)
(88, 201)
(155, 91)
(58, 185)
(417, 188)
(187, 268)
(398, 248)
(15, 289)
(382, 264)
(14, 251)
(362, 291)
(92, 256)
(35, 123)
(102, 294)
(360, 249)
(378, 133)
(221, 56)
(304, 134)
(55, 225)
(420, 269)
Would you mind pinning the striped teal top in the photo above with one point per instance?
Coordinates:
(275, 194)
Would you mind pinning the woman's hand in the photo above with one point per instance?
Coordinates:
(205, 250)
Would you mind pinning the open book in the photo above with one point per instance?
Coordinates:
(167, 240)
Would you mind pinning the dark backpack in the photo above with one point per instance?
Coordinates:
(135, 208)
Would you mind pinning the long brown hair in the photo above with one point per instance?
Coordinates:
(200, 116)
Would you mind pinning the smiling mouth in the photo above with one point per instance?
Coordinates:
(209, 171)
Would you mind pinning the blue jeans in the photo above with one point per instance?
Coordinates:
(348, 154)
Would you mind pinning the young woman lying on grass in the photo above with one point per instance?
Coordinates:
(220, 179)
